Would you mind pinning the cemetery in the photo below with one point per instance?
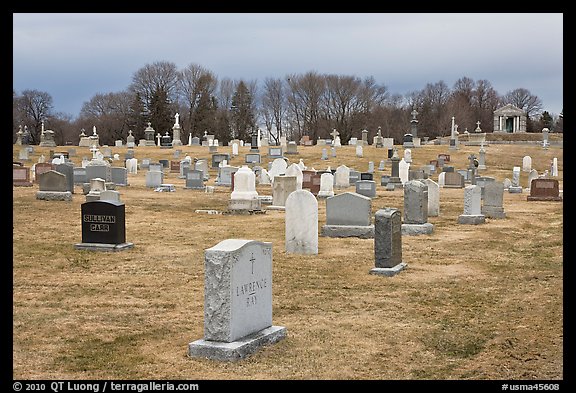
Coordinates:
(422, 267)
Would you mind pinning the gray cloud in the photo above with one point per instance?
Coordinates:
(74, 56)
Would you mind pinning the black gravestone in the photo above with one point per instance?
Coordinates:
(366, 176)
(103, 226)
(390, 153)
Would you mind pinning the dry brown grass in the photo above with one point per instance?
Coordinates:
(476, 302)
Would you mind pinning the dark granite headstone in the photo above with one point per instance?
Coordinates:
(103, 226)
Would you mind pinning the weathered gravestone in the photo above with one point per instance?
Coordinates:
(53, 186)
(103, 226)
(194, 180)
(387, 243)
(348, 215)
(237, 301)
(366, 188)
(416, 209)
(283, 186)
(493, 200)
(472, 206)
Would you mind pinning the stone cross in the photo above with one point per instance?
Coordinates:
(149, 124)
(158, 136)
(334, 133)
(167, 133)
(414, 113)
(94, 150)
(82, 132)
(94, 130)
(130, 132)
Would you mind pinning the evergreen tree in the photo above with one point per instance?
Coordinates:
(243, 118)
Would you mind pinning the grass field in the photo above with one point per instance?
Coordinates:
(477, 302)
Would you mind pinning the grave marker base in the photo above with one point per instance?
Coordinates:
(236, 350)
(389, 271)
(103, 246)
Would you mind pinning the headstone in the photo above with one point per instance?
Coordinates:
(264, 177)
(554, 168)
(531, 176)
(348, 215)
(472, 206)
(366, 188)
(278, 168)
(132, 166)
(416, 174)
(403, 170)
(353, 141)
(301, 223)
(394, 181)
(370, 168)
(195, 141)
(154, 177)
(185, 166)
(21, 176)
(493, 200)
(482, 158)
(23, 154)
(482, 181)
(252, 158)
(433, 197)
(294, 170)
(237, 301)
(96, 186)
(408, 140)
(110, 195)
(387, 243)
(235, 149)
(53, 186)
(408, 156)
(218, 158)
(130, 140)
(244, 198)
(165, 163)
(515, 188)
(225, 175)
(366, 176)
(80, 175)
(275, 152)
(416, 209)
(118, 143)
(282, 187)
(342, 177)
(68, 171)
(326, 185)
(388, 143)
(292, 148)
(353, 177)
(381, 167)
(202, 165)
(384, 179)
(526, 164)
(333, 152)
(453, 180)
(194, 180)
(544, 190)
(145, 163)
(359, 151)
(545, 143)
(324, 154)
(103, 226)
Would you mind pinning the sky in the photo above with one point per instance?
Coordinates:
(75, 56)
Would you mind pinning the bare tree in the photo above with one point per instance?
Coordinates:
(34, 106)
(196, 84)
(110, 113)
(274, 107)
(305, 95)
(160, 76)
(523, 99)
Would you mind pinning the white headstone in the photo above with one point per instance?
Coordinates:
(554, 171)
(441, 180)
(403, 170)
(264, 177)
(294, 170)
(433, 197)
(244, 184)
(359, 151)
(526, 164)
(408, 155)
(278, 168)
(234, 149)
(301, 223)
(326, 185)
(342, 177)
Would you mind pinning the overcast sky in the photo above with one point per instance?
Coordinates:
(75, 56)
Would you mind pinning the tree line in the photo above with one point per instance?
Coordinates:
(310, 104)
